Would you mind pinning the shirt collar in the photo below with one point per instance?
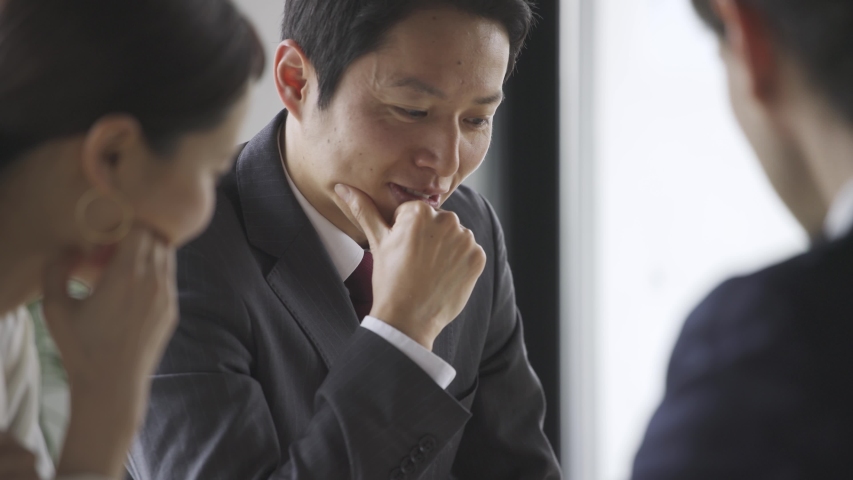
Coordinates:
(346, 253)
(839, 219)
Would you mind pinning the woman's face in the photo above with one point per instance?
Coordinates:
(172, 196)
(178, 195)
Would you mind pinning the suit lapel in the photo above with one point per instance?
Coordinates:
(303, 278)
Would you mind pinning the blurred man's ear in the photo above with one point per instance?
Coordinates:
(749, 41)
(292, 70)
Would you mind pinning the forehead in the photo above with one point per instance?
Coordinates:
(445, 48)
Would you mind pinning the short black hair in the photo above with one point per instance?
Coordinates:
(817, 33)
(175, 65)
(335, 33)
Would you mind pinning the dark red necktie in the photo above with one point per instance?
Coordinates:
(360, 286)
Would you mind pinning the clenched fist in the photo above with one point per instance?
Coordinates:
(425, 265)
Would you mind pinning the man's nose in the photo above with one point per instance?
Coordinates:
(440, 151)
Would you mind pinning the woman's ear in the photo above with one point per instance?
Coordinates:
(113, 144)
(292, 73)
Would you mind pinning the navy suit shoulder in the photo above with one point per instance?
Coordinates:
(759, 382)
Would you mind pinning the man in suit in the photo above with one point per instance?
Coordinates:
(760, 385)
(270, 375)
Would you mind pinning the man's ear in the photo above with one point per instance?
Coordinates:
(750, 40)
(292, 72)
(111, 145)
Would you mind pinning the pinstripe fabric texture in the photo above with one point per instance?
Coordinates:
(270, 377)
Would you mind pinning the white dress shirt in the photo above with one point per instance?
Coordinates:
(346, 255)
(839, 219)
(20, 390)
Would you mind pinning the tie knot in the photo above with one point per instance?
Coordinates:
(360, 286)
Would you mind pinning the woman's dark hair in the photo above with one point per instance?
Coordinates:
(819, 35)
(335, 33)
(177, 66)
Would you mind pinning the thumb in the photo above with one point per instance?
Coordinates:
(361, 209)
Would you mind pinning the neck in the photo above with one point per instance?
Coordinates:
(826, 142)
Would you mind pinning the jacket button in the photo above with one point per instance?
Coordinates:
(417, 455)
(408, 466)
(427, 444)
(398, 475)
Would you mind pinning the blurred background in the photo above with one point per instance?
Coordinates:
(626, 191)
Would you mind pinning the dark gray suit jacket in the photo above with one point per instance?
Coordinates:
(269, 375)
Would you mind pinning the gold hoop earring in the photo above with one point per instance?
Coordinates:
(103, 238)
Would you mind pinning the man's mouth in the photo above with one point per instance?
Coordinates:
(406, 194)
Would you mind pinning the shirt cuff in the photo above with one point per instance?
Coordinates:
(439, 370)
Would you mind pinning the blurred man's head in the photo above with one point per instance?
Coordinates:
(790, 71)
(394, 98)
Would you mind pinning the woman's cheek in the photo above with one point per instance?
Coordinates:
(180, 212)
(198, 213)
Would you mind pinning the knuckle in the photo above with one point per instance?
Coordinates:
(449, 217)
(478, 256)
(421, 209)
(413, 214)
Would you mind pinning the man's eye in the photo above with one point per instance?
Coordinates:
(479, 122)
(411, 113)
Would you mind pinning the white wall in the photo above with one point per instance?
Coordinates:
(266, 15)
(681, 203)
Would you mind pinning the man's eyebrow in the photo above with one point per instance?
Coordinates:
(491, 99)
(422, 87)
(425, 88)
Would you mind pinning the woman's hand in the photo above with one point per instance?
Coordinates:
(110, 344)
(16, 462)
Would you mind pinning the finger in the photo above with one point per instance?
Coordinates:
(452, 218)
(55, 283)
(145, 256)
(172, 289)
(167, 293)
(171, 273)
(56, 303)
(416, 208)
(127, 258)
(361, 209)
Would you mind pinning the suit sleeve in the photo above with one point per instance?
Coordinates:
(377, 415)
(504, 438)
(736, 374)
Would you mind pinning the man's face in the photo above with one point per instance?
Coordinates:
(408, 122)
